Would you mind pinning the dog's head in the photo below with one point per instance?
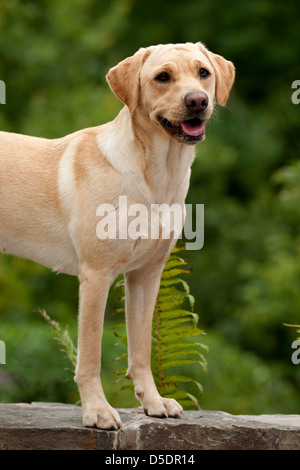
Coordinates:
(175, 86)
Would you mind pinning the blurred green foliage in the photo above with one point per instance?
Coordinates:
(53, 58)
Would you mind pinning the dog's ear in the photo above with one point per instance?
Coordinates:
(225, 74)
(124, 78)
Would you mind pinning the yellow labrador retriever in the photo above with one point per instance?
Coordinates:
(50, 191)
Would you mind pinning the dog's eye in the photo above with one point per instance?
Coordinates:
(163, 77)
(203, 73)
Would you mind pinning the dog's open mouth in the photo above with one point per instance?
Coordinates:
(190, 131)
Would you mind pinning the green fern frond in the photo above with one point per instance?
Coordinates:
(184, 344)
(62, 337)
(294, 326)
(173, 272)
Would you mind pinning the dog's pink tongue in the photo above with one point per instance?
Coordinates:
(193, 129)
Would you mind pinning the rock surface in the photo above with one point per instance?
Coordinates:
(57, 426)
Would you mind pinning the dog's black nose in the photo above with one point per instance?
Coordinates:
(196, 102)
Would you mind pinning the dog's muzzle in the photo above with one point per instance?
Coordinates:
(190, 131)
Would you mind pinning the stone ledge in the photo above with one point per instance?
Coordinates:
(56, 426)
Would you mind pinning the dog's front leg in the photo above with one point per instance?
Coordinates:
(94, 287)
(141, 292)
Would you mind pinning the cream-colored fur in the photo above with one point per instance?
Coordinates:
(50, 191)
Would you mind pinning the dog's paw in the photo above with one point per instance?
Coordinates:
(163, 408)
(104, 417)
